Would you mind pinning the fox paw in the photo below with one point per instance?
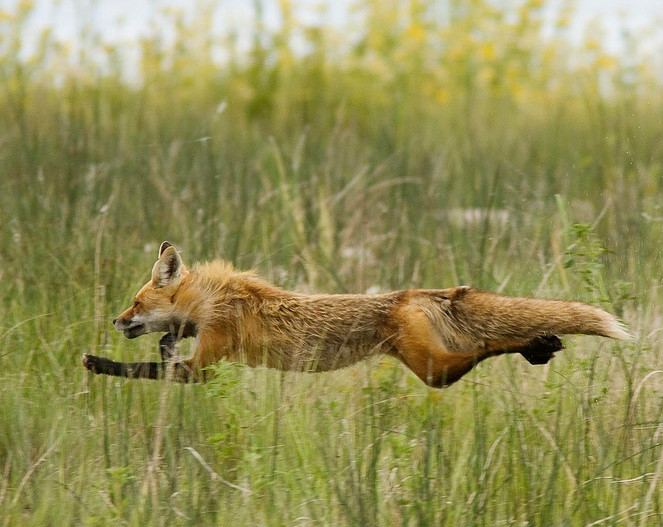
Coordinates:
(541, 349)
(90, 362)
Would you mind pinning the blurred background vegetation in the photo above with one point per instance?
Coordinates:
(416, 144)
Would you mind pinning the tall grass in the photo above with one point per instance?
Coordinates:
(437, 145)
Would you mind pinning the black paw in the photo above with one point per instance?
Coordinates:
(541, 349)
(95, 364)
(88, 362)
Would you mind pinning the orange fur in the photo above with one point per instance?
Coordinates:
(439, 334)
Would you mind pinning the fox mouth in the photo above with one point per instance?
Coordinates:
(135, 330)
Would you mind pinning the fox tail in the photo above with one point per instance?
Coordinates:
(469, 315)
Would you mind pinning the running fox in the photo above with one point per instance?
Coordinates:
(440, 334)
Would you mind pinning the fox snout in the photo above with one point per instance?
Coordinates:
(129, 327)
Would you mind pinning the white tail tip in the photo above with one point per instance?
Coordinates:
(617, 330)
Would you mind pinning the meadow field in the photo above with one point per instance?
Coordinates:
(429, 145)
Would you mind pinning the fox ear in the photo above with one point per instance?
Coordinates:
(163, 247)
(168, 269)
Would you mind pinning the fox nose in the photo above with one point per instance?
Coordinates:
(114, 321)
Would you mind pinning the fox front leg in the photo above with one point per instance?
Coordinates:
(135, 370)
(167, 346)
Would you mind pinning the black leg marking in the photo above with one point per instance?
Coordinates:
(131, 370)
(167, 346)
(139, 370)
(143, 370)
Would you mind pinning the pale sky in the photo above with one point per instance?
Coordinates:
(125, 21)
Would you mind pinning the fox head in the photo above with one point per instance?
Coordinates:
(153, 308)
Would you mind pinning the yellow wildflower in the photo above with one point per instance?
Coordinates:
(5, 16)
(415, 32)
(443, 96)
(487, 51)
(607, 62)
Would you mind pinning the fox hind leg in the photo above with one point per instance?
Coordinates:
(419, 348)
(538, 350)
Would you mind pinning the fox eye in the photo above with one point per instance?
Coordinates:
(136, 303)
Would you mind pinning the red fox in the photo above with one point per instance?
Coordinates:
(440, 334)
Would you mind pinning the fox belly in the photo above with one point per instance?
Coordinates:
(323, 356)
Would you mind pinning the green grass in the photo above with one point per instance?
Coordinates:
(343, 170)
